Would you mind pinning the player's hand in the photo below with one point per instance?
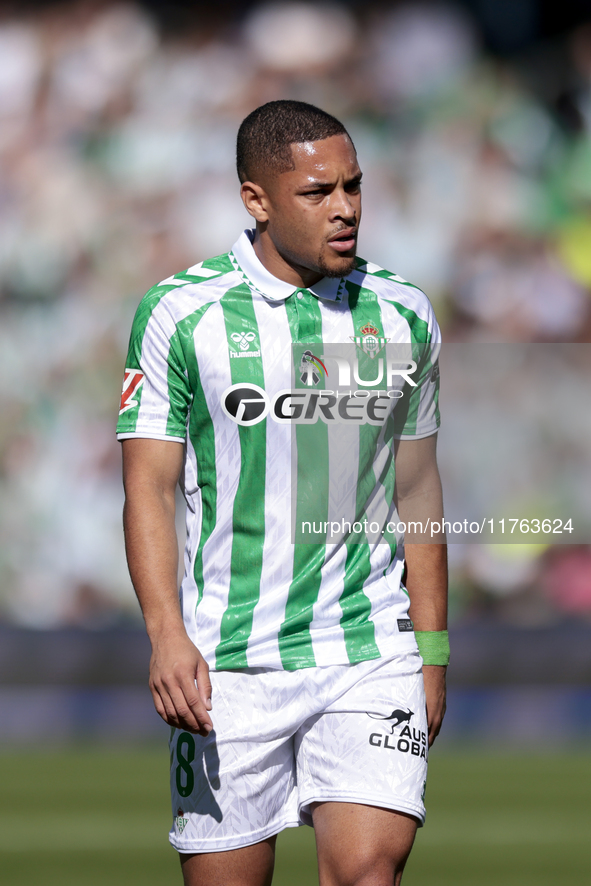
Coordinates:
(180, 684)
(434, 679)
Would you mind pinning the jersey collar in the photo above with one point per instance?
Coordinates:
(245, 260)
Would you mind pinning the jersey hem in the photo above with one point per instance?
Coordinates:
(238, 842)
(403, 644)
(145, 435)
(416, 436)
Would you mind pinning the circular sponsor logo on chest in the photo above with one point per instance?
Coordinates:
(245, 404)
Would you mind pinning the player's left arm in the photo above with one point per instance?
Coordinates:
(420, 501)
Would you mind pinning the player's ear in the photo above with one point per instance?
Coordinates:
(255, 200)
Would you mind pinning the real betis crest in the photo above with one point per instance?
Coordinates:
(180, 821)
(370, 341)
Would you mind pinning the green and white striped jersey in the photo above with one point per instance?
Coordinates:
(213, 356)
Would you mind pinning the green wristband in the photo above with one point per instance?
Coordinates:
(433, 646)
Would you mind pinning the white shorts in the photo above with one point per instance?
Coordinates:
(283, 740)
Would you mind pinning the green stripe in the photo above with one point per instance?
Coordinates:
(419, 329)
(127, 422)
(359, 631)
(179, 393)
(248, 520)
(383, 273)
(388, 480)
(295, 641)
(201, 434)
(221, 264)
(407, 409)
(361, 265)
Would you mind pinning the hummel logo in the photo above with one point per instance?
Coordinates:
(243, 339)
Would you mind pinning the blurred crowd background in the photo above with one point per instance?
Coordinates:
(117, 130)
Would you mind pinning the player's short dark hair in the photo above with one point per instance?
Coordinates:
(265, 136)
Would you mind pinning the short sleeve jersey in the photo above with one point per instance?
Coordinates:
(211, 365)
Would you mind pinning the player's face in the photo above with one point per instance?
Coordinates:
(313, 211)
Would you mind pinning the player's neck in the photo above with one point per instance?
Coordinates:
(271, 259)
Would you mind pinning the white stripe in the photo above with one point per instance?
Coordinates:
(194, 271)
(388, 602)
(199, 271)
(154, 406)
(194, 519)
(170, 281)
(327, 635)
(277, 566)
(215, 377)
(343, 450)
(370, 268)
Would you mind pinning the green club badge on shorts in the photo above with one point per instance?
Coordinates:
(180, 821)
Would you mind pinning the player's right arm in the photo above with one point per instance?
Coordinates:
(179, 675)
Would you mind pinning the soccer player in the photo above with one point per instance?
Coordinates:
(290, 672)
